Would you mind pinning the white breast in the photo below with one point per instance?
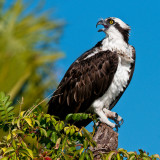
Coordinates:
(115, 43)
(118, 84)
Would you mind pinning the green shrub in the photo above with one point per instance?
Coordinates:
(39, 136)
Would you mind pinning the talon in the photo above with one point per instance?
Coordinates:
(121, 122)
(116, 116)
(118, 119)
(117, 126)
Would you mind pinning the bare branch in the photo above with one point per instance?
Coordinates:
(106, 139)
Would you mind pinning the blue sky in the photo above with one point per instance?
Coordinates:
(139, 106)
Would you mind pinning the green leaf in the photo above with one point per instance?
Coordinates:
(84, 116)
(18, 123)
(27, 152)
(131, 153)
(10, 114)
(67, 130)
(81, 150)
(110, 155)
(155, 156)
(5, 100)
(48, 120)
(68, 117)
(23, 144)
(82, 156)
(4, 149)
(85, 144)
(145, 155)
(2, 95)
(8, 103)
(90, 153)
(87, 134)
(17, 131)
(37, 122)
(54, 137)
(8, 150)
(4, 158)
(141, 151)
(29, 121)
(118, 156)
(121, 150)
(8, 137)
(124, 152)
(61, 125)
(30, 152)
(14, 144)
(76, 117)
(3, 113)
(132, 157)
(49, 133)
(64, 141)
(58, 143)
(66, 157)
(22, 114)
(72, 131)
(87, 156)
(76, 153)
(48, 146)
(39, 117)
(43, 132)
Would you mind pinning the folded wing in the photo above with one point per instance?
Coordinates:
(86, 80)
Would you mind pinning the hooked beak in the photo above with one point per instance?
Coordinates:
(102, 22)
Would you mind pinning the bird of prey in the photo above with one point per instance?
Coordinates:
(97, 79)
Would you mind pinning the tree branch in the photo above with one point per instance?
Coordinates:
(106, 139)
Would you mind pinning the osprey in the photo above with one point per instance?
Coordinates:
(97, 79)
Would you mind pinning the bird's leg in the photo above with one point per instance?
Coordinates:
(103, 118)
(114, 116)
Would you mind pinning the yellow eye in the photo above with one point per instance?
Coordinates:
(111, 21)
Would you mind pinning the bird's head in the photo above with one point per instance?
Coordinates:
(115, 28)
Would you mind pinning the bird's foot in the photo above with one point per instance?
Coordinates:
(105, 114)
(118, 120)
(114, 116)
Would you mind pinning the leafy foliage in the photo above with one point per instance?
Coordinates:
(39, 136)
(28, 49)
(51, 137)
(5, 107)
(120, 154)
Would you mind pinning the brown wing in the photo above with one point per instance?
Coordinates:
(86, 80)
